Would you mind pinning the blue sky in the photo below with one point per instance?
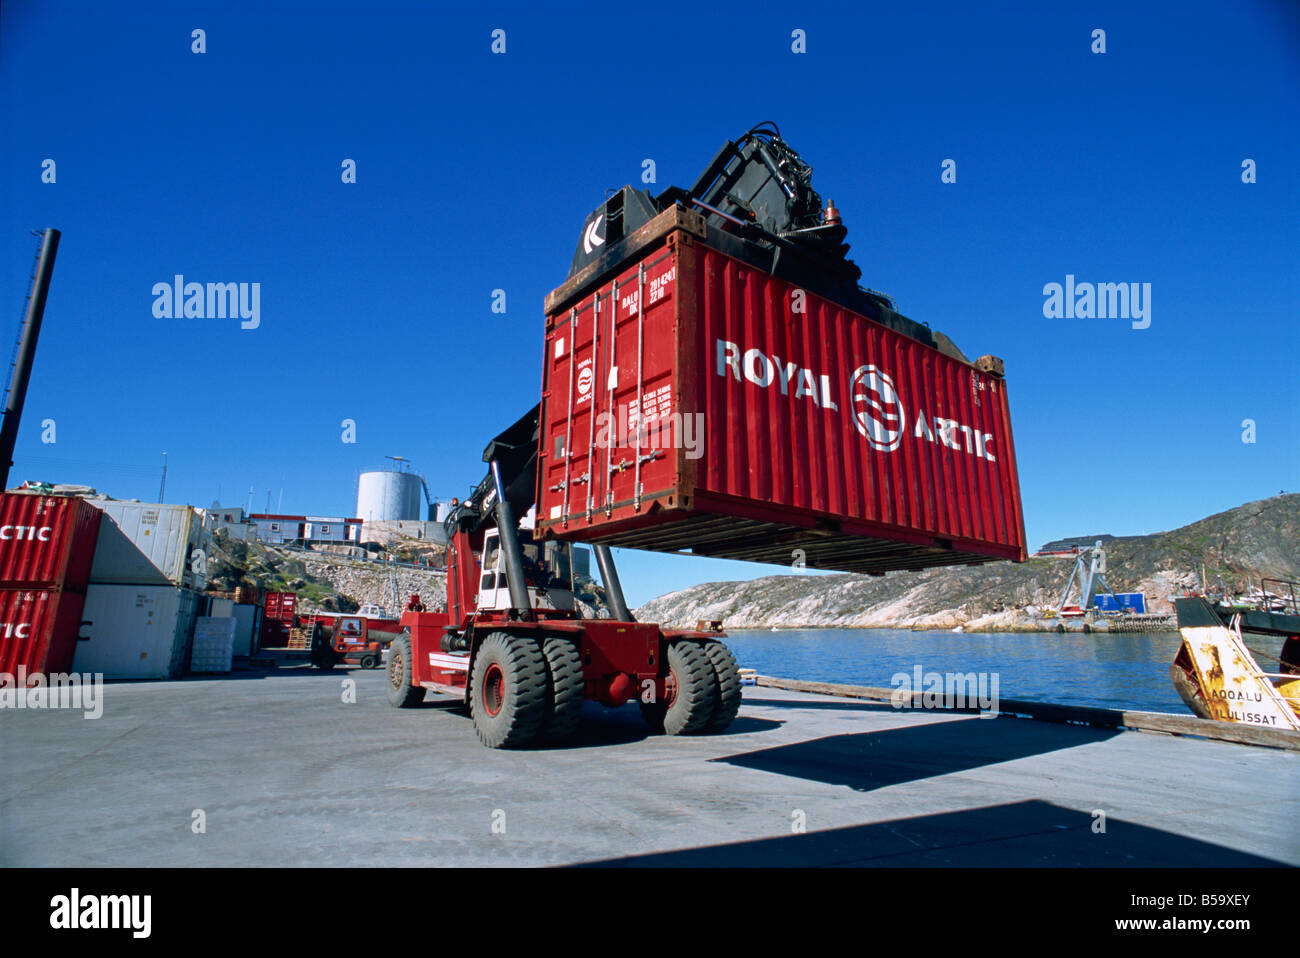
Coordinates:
(475, 172)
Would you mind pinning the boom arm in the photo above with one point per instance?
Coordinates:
(515, 453)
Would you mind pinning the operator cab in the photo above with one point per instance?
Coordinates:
(548, 570)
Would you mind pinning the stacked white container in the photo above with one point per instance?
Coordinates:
(145, 585)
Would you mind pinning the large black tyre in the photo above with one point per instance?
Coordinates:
(401, 693)
(508, 690)
(727, 703)
(567, 689)
(694, 696)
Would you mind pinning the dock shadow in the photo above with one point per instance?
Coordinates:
(869, 760)
(624, 725)
(746, 724)
(1029, 834)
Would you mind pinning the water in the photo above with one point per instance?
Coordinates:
(1124, 671)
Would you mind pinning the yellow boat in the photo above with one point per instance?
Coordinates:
(1218, 676)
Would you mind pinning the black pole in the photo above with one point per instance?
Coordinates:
(613, 587)
(26, 354)
(509, 540)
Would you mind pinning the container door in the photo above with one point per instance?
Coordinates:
(244, 616)
(186, 606)
(131, 634)
(612, 421)
(577, 383)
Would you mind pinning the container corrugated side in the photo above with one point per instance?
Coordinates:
(137, 632)
(46, 542)
(38, 631)
(149, 544)
(820, 436)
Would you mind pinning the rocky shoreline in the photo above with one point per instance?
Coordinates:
(1237, 547)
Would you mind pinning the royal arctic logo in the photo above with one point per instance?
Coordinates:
(591, 239)
(26, 533)
(875, 409)
(586, 377)
(877, 412)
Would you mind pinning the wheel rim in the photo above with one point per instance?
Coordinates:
(494, 689)
(395, 668)
(670, 688)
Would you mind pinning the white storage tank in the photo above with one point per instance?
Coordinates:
(388, 496)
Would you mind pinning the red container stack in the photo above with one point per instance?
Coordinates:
(47, 545)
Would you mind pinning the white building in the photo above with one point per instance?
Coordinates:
(229, 519)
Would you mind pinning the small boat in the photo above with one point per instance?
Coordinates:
(372, 611)
(1217, 675)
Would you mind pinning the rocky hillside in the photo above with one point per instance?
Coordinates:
(324, 581)
(1240, 545)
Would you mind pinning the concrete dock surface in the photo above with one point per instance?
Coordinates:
(282, 767)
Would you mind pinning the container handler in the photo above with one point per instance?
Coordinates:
(732, 304)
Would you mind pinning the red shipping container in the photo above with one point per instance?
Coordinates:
(38, 631)
(278, 618)
(281, 606)
(47, 542)
(780, 427)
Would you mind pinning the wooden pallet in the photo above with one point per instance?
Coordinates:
(299, 639)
